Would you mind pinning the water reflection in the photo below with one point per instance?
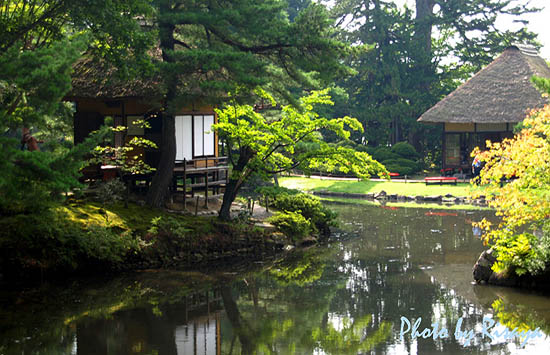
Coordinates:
(344, 298)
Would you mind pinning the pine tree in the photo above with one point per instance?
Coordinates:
(210, 48)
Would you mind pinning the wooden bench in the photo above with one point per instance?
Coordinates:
(441, 179)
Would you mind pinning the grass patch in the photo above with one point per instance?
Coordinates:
(134, 218)
(367, 186)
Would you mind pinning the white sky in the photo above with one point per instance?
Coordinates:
(538, 22)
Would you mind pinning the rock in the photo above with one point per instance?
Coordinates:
(411, 198)
(288, 247)
(433, 198)
(419, 198)
(393, 197)
(503, 279)
(482, 269)
(449, 195)
(370, 196)
(381, 195)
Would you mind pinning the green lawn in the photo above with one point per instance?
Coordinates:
(400, 188)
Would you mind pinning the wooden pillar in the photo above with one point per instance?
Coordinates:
(206, 189)
(184, 184)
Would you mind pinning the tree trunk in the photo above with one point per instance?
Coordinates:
(423, 26)
(234, 316)
(231, 191)
(234, 184)
(158, 192)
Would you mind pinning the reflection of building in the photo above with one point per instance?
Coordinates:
(489, 105)
(191, 326)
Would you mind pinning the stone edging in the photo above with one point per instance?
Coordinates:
(383, 196)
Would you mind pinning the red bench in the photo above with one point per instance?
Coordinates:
(441, 179)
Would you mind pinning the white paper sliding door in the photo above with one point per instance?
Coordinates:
(208, 135)
(184, 137)
(198, 136)
(194, 136)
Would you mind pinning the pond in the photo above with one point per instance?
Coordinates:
(386, 265)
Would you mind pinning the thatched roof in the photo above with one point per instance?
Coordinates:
(501, 92)
(94, 78)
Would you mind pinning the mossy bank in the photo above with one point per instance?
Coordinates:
(81, 236)
(88, 237)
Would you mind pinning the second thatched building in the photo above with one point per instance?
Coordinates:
(489, 105)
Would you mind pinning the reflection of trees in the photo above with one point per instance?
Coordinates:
(54, 320)
(288, 309)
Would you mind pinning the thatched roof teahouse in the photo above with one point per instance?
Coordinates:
(489, 105)
(98, 92)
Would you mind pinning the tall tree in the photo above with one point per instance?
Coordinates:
(210, 48)
(419, 57)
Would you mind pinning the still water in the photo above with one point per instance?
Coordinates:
(347, 297)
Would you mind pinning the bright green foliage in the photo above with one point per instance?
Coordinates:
(169, 225)
(543, 84)
(295, 207)
(272, 192)
(31, 181)
(522, 240)
(271, 145)
(124, 157)
(320, 217)
(292, 224)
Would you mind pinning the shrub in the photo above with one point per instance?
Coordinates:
(31, 181)
(110, 191)
(310, 207)
(405, 150)
(272, 192)
(49, 240)
(402, 166)
(168, 225)
(384, 153)
(292, 224)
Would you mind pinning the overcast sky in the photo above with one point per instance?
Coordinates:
(538, 23)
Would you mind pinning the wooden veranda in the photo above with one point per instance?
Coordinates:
(200, 174)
